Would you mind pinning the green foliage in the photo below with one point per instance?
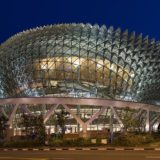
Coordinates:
(79, 142)
(51, 120)
(83, 142)
(40, 129)
(132, 140)
(22, 143)
(3, 126)
(129, 140)
(148, 138)
(131, 120)
(61, 119)
(34, 127)
(27, 121)
(126, 118)
(56, 143)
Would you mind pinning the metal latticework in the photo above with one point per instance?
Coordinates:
(78, 60)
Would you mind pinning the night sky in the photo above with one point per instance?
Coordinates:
(142, 16)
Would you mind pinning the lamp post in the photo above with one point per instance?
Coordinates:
(111, 127)
(78, 106)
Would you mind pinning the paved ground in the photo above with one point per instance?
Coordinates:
(79, 155)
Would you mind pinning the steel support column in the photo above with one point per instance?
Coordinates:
(10, 121)
(25, 108)
(49, 113)
(3, 112)
(77, 118)
(95, 115)
(117, 117)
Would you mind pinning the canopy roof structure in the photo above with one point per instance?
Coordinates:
(80, 60)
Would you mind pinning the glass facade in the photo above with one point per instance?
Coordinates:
(80, 60)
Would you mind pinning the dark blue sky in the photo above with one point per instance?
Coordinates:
(142, 16)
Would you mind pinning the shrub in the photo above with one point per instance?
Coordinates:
(148, 138)
(71, 143)
(82, 142)
(1, 144)
(132, 139)
(24, 143)
(56, 143)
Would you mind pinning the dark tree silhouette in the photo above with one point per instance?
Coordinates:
(3, 126)
(61, 120)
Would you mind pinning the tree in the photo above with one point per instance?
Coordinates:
(61, 120)
(27, 121)
(3, 126)
(34, 127)
(131, 120)
(40, 129)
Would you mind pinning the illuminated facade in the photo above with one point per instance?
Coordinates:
(80, 61)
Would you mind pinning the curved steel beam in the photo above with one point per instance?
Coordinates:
(79, 101)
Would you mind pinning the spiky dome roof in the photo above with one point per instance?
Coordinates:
(95, 28)
(129, 56)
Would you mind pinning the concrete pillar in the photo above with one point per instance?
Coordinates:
(84, 132)
(147, 126)
(9, 133)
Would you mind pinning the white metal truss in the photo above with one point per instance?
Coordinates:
(65, 102)
(102, 109)
(50, 112)
(26, 110)
(3, 112)
(11, 117)
(117, 117)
